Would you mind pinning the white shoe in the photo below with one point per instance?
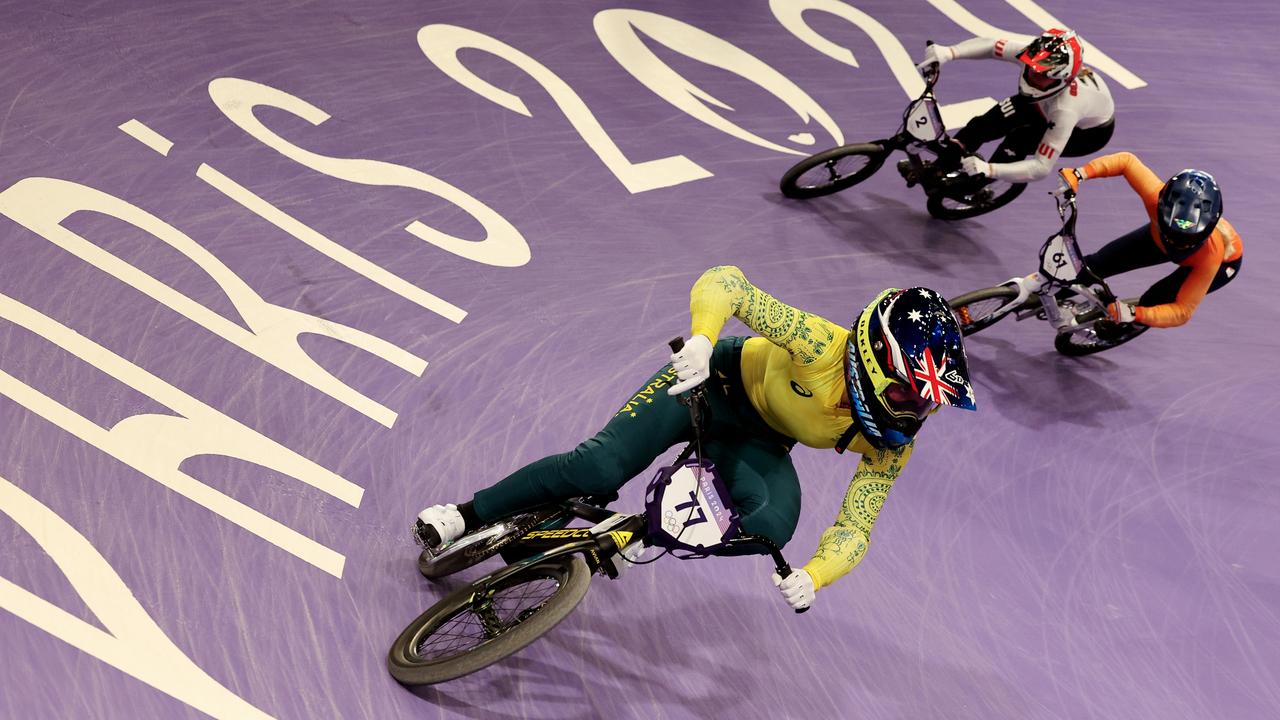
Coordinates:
(445, 520)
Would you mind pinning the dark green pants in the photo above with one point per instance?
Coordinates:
(753, 459)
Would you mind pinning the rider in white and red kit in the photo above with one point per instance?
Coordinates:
(1062, 108)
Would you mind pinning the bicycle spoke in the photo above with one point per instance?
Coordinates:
(979, 310)
(488, 618)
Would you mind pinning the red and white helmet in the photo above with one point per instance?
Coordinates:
(1051, 62)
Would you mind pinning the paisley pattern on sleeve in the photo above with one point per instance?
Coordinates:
(844, 544)
(724, 291)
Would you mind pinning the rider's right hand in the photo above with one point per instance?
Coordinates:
(692, 364)
(938, 54)
(797, 588)
(1122, 311)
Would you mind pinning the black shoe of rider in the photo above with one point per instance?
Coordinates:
(1109, 330)
(958, 184)
(908, 172)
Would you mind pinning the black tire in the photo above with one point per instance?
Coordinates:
(832, 170)
(976, 311)
(448, 629)
(954, 206)
(482, 544)
(1102, 336)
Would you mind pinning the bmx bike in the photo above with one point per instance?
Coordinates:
(550, 564)
(952, 194)
(1064, 292)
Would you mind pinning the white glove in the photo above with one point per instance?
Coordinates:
(1069, 180)
(797, 588)
(974, 165)
(1122, 312)
(935, 54)
(692, 364)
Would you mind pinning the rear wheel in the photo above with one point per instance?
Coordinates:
(832, 170)
(484, 622)
(961, 205)
(981, 309)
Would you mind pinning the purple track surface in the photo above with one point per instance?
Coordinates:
(1098, 541)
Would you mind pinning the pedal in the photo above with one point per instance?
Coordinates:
(962, 187)
(1109, 330)
(426, 536)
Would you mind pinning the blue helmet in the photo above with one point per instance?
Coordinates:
(904, 358)
(1188, 209)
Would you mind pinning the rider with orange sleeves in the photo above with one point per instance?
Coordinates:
(1186, 228)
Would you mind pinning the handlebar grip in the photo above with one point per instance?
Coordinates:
(676, 344)
(784, 570)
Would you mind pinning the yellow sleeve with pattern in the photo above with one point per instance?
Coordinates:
(724, 291)
(845, 543)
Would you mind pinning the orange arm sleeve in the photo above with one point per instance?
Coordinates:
(1207, 261)
(1144, 182)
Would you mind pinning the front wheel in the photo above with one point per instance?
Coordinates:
(981, 309)
(482, 623)
(961, 205)
(1102, 335)
(832, 170)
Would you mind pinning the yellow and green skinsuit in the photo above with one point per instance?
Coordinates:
(765, 394)
(794, 376)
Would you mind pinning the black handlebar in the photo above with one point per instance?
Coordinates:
(934, 71)
(781, 566)
(1067, 211)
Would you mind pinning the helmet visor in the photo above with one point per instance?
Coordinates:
(902, 401)
(1038, 80)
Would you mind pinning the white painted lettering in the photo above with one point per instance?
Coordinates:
(441, 43)
(41, 205)
(156, 445)
(791, 14)
(503, 245)
(132, 642)
(619, 30)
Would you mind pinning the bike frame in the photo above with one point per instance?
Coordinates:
(1062, 267)
(922, 128)
(601, 543)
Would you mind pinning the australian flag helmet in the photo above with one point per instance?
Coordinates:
(905, 359)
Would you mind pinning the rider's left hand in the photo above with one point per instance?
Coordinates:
(692, 364)
(1121, 311)
(935, 55)
(976, 166)
(796, 588)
